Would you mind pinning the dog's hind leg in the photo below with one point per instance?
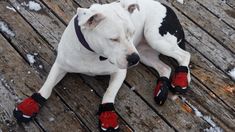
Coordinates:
(108, 119)
(167, 45)
(28, 109)
(55, 75)
(150, 57)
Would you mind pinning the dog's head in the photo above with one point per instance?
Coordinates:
(109, 32)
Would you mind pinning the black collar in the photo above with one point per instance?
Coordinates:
(82, 39)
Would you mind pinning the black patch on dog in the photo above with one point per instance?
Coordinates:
(171, 24)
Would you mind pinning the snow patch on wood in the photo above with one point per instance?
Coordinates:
(11, 8)
(232, 73)
(30, 59)
(181, 1)
(213, 128)
(32, 5)
(4, 28)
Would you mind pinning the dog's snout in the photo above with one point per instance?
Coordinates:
(133, 59)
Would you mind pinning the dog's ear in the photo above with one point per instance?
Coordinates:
(88, 18)
(130, 5)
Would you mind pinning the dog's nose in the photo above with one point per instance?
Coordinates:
(133, 59)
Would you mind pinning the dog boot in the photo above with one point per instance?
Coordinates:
(161, 90)
(180, 80)
(28, 109)
(108, 119)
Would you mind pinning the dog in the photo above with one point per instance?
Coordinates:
(107, 40)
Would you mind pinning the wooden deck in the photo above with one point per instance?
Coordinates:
(209, 105)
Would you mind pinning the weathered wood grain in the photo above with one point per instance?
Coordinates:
(64, 9)
(221, 10)
(220, 31)
(231, 3)
(29, 44)
(132, 108)
(21, 84)
(212, 77)
(44, 21)
(8, 97)
(209, 105)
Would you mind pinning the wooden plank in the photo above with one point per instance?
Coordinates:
(13, 19)
(21, 84)
(212, 77)
(64, 9)
(131, 107)
(209, 22)
(43, 20)
(210, 106)
(88, 3)
(8, 97)
(231, 3)
(221, 10)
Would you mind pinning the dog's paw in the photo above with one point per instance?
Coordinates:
(108, 119)
(28, 109)
(180, 80)
(161, 90)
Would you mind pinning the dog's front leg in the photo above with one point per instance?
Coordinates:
(107, 116)
(55, 75)
(30, 106)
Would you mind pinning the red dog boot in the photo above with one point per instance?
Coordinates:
(108, 119)
(161, 90)
(180, 80)
(28, 109)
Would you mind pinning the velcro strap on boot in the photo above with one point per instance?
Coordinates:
(181, 69)
(106, 107)
(38, 98)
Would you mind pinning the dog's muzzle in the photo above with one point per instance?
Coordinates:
(133, 59)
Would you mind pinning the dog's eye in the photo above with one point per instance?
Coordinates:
(115, 39)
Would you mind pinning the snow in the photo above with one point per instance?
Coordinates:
(181, 1)
(30, 58)
(133, 88)
(11, 8)
(40, 66)
(213, 128)
(51, 119)
(232, 73)
(4, 28)
(34, 6)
